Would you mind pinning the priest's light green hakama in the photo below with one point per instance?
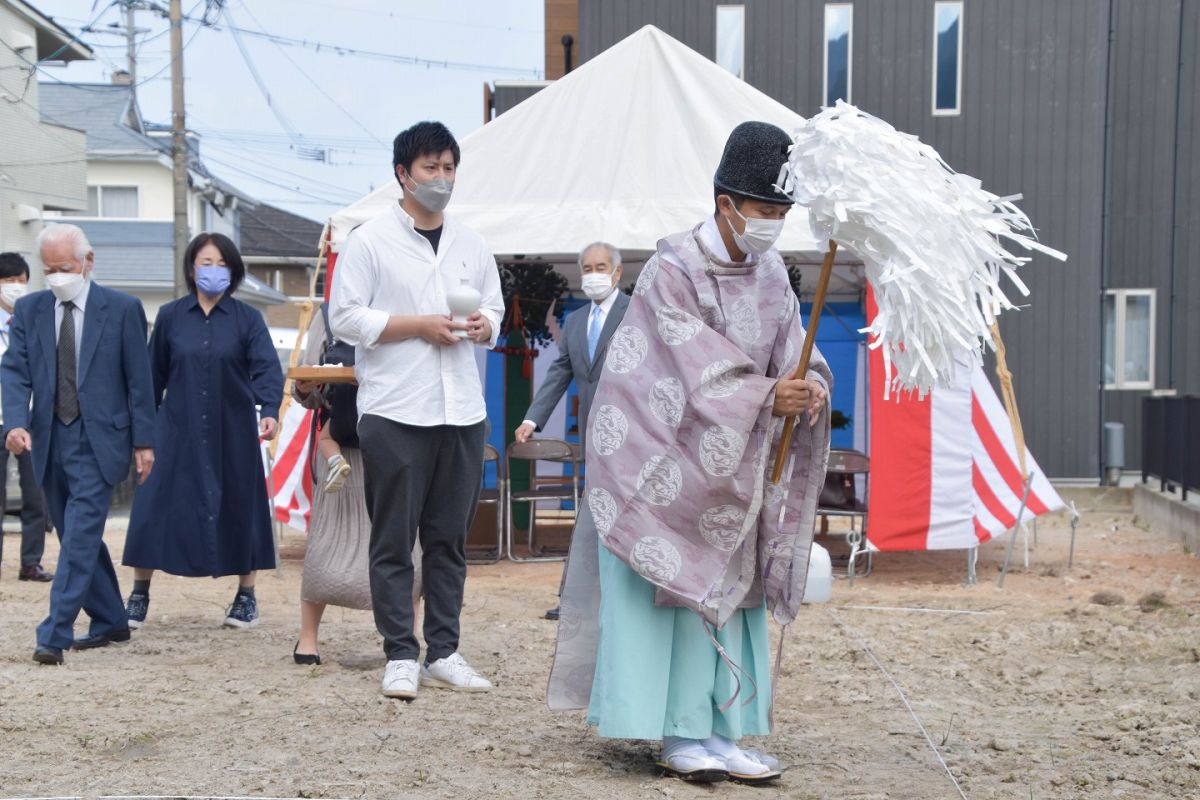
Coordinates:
(658, 674)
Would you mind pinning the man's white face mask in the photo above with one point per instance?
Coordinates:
(760, 235)
(10, 293)
(66, 285)
(598, 285)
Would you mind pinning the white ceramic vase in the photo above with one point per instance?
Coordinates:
(464, 301)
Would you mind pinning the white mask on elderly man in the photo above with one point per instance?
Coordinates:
(65, 285)
(598, 285)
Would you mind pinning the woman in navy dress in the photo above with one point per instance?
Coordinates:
(204, 509)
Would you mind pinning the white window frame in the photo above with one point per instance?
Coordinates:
(849, 53)
(1120, 297)
(100, 187)
(741, 73)
(958, 71)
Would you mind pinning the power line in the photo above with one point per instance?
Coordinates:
(342, 7)
(277, 184)
(232, 152)
(393, 57)
(316, 85)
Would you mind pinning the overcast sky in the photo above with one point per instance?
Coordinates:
(243, 142)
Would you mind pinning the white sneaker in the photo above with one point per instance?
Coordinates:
(339, 471)
(453, 672)
(400, 679)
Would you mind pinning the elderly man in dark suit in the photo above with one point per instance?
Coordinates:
(583, 343)
(78, 352)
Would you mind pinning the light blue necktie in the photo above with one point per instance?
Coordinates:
(594, 333)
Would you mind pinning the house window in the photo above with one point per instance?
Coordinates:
(947, 57)
(1129, 339)
(731, 39)
(839, 25)
(113, 201)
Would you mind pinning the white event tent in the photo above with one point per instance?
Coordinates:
(622, 149)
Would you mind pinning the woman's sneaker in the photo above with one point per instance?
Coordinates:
(339, 471)
(453, 672)
(243, 613)
(136, 607)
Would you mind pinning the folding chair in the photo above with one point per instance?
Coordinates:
(494, 497)
(541, 489)
(839, 498)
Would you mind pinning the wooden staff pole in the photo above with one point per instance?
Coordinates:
(1009, 394)
(306, 314)
(810, 340)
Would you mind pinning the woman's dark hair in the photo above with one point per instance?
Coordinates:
(12, 265)
(229, 254)
(422, 139)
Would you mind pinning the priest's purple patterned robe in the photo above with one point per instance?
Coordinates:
(680, 448)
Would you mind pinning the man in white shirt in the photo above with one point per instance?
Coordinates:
(420, 403)
(14, 282)
(581, 348)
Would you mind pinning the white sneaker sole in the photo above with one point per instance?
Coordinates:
(400, 694)
(435, 683)
(336, 478)
(230, 622)
(135, 624)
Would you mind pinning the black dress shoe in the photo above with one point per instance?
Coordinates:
(307, 659)
(552, 614)
(34, 572)
(48, 655)
(93, 640)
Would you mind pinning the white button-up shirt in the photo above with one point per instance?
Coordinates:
(386, 268)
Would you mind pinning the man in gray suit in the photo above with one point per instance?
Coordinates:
(583, 343)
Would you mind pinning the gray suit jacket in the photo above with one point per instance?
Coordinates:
(572, 362)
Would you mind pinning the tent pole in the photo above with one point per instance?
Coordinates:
(1013, 539)
(972, 557)
(810, 340)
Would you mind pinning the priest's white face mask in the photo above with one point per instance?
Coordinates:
(757, 226)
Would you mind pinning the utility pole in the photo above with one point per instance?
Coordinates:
(131, 51)
(179, 146)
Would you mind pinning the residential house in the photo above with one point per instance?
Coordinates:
(42, 164)
(280, 249)
(129, 213)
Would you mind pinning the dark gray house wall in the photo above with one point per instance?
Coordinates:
(1153, 223)
(1032, 122)
(1185, 334)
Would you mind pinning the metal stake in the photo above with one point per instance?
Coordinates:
(1074, 525)
(1013, 539)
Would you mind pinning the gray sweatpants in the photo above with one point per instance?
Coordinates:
(421, 482)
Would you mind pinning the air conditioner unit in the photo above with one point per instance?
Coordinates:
(28, 213)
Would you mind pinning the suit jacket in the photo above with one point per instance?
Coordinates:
(116, 393)
(572, 362)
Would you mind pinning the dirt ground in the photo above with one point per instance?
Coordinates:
(1043, 693)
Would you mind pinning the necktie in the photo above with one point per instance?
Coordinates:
(594, 332)
(66, 396)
